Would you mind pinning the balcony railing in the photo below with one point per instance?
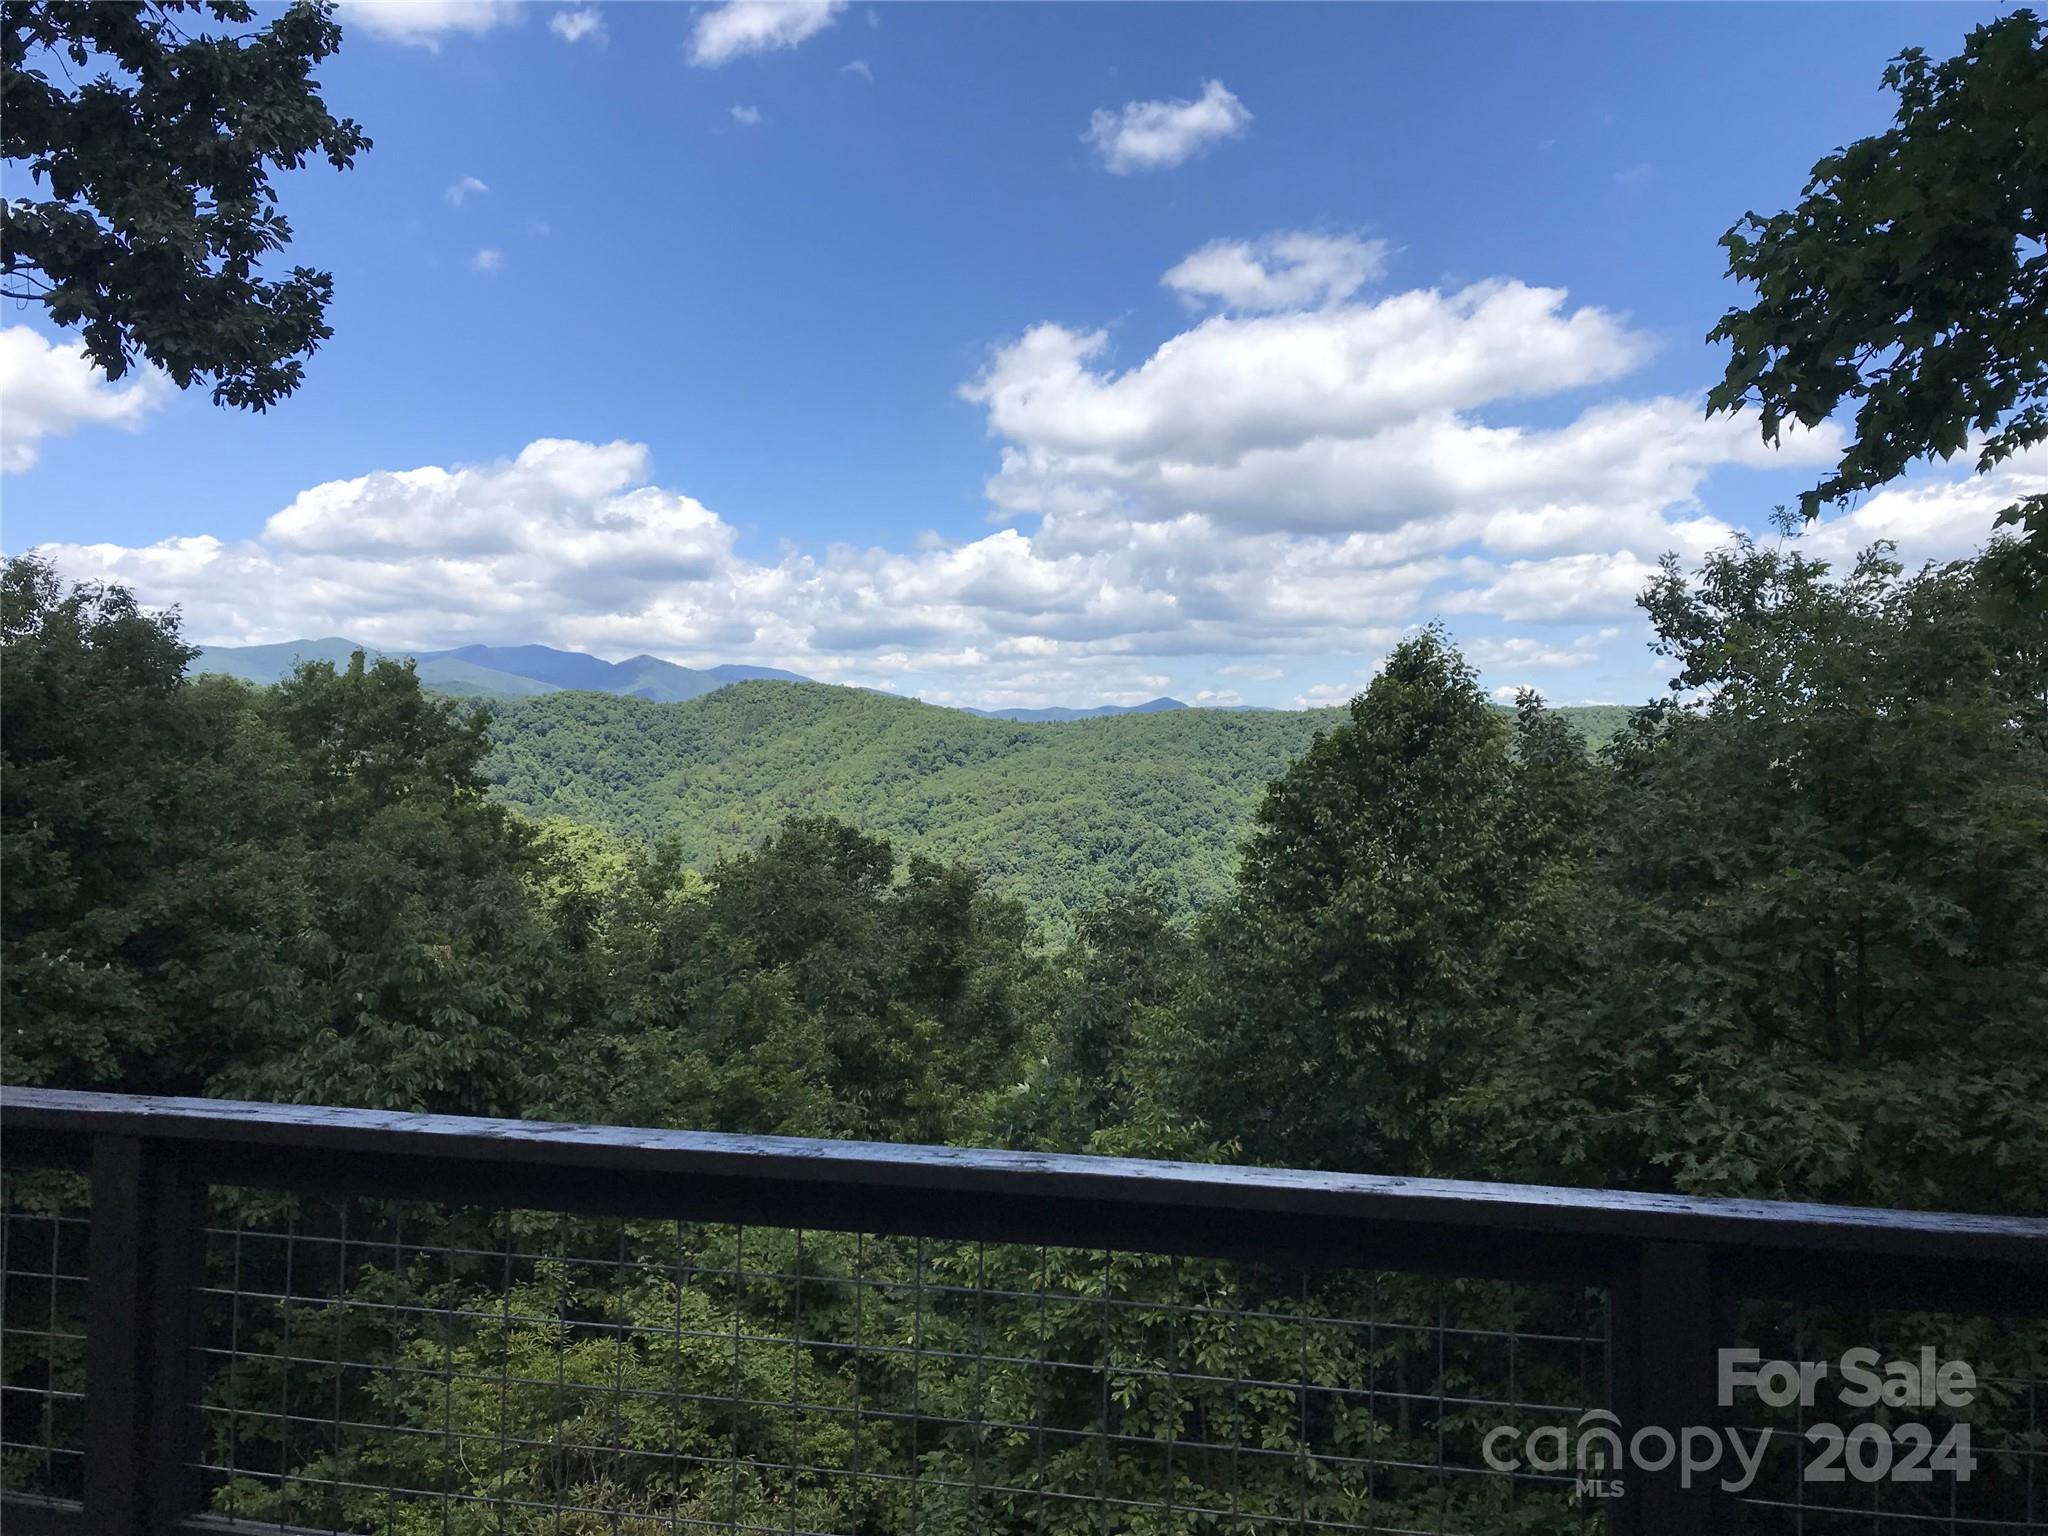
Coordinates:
(226, 1316)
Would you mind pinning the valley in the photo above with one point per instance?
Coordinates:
(1059, 815)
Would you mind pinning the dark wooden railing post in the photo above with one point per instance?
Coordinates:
(1664, 1328)
(1672, 1265)
(143, 1252)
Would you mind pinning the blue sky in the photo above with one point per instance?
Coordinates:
(842, 338)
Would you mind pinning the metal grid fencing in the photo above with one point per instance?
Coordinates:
(371, 1366)
(1911, 1424)
(301, 1357)
(44, 1219)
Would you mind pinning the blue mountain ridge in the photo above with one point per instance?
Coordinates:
(520, 671)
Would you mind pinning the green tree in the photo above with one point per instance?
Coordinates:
(804, 987)
(137, 882)
(1912, 277)
(424, 973)
(1357, 970)
(298, 893)
(155, 211)
(1812, 958)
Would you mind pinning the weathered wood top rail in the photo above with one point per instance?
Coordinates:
(1266, 1214)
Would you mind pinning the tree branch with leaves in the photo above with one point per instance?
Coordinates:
(150, 151)
(1912, 279)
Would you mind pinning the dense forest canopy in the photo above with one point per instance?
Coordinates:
(1785, 935)
(1781, 935)
(1060, 816)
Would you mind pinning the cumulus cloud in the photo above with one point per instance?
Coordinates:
(1234, 385)
(1294, 270)
(578, 25)
(1930, 515)
(50, 390)
(570, 543)
(1358, 417)
(1560, 590)
(423, 23)
(401, 556)
(739, 27)
(1374, 423)
(1933, 515)
(858, 67)
(1263, 504)
(1158, 135)
(463, 190)
(747, 117)
(487, 260)
(1491, 651)
(574, 544)
(1329, 695)
(1368, 450)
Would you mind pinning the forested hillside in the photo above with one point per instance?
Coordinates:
(1787, 940)
(1455, 943)
(1060, 816)
(1780, 935)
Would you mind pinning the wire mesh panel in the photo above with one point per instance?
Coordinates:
(373, 1366)
(408, 1368)
(44, 1220)
(1891, 1424)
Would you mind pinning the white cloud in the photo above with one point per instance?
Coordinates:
(50, 390)
(423, 23)
(1373, 422)
(1366, 453)
(1264, 500)
(738, 27)
(569, 544)
(1157, 135)
(1490, 651)
(487, 260)
(1560, 590)
(1930, 517)
(1351, 418)
(858, 67)
(1233, 385)
(463, 190)
(1328, 695)
(586, 22)
(572, 544)
(1295, 270)
(747, 116)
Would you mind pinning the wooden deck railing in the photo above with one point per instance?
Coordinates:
(1672, 1267)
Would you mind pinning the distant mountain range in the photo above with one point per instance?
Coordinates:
(496, 671)
(521, 671)
(1061, 712)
